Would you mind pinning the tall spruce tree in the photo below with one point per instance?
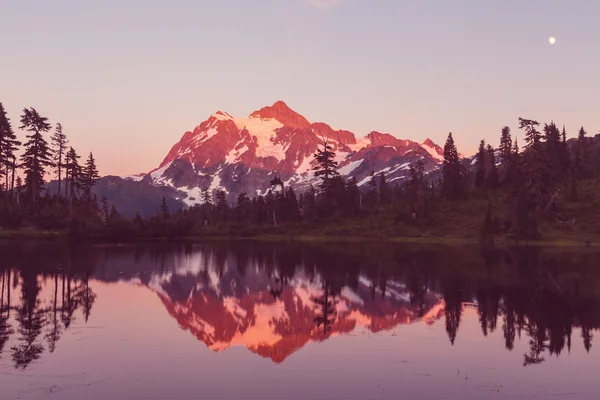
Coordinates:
(491, 170)
(8, 146)
(326, 167)
(89, 177)
(554, 164)
(73, 174)
(384, 190)
(534, 157)
(480, 166)
(59, 147)
(352, 197)
(533, 137)
(19, 190)
(505, 145)
(453, 186)
(37, 156)
(581, 154)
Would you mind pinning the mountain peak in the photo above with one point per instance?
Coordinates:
(282, 113)
(429, 142)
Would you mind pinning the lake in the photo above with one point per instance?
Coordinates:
(246, 320)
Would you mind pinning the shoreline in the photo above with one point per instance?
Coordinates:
(308, 238)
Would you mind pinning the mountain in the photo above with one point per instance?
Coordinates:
(244, 154)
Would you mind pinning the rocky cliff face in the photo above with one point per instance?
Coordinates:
(243, 154)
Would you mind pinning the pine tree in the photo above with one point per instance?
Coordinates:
(371, 196)
(89, 177)
(8, 146)
(452, 172)
(291, 210)
(553, 159)
(206, 198)
(59, 146)
(352, 197)
(534, 160)
(222, 208)
(564, 152)
(480, 166)
(73, 174)
(532, 136)
(164, 209)
(384, 190)
(37, 157)
(309, 204)
(581, 154)
(19, 189)
(491, 169)
(326, 167)
(242, 208)
(505, 145)
(105, 209)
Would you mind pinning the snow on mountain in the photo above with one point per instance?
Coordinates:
(436, 152)
(244, 154)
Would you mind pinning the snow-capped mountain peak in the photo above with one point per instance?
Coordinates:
(242, 154)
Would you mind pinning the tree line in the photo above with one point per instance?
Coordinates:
(24, 195)
(547, 182)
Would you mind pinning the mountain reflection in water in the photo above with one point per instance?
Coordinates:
(274, 299)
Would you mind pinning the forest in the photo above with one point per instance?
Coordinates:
(548, 189)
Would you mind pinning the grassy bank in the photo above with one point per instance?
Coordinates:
(33, 234)
(550, 241)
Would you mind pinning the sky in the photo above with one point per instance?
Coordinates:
(127, 78)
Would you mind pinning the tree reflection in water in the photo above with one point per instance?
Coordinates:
(534, 295)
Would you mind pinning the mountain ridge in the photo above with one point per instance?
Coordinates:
(240, 155)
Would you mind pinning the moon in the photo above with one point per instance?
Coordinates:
(552, 40)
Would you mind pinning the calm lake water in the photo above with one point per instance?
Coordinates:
(270, 321)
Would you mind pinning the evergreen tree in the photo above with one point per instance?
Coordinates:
(581, 154)
(59, 146)
(384, 190)
(242, 208)
(8, 146)
(564, 151)
(37, 157)
(371, 197)
(491, 171)
(533, 137)
(505, 145)
(206, 198)
(480, 166)
(105, 209)
(73, 174)
(89, 177)
(291, 211)
(326, 167)
(352, 197)
(19, 189)
(453, 186)
(165, 213)
(554, 167)
(534, 160)
(114, 215)
(308, 204)
(416, 189)
(221, 206)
